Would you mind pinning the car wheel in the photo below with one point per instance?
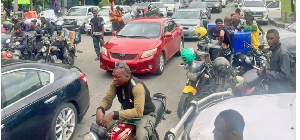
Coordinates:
(181, 47)
(64, 122)
(161, 64)
(220, 10)
(223, 6)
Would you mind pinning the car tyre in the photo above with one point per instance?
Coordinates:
(66, 109)
(220, 10)
(181, 47)
(223, 6)
(161, 64)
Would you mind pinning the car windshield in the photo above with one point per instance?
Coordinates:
(168, 1)
(159, 5)
(134, 7)
(253, 4)
(140, 30)
(104, 12)
(292, 27)
(197, 5)
(186, 15)
(77, 12)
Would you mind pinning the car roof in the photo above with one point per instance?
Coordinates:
(150, 19)
(196, 9)
(267, 116)
(86, 6)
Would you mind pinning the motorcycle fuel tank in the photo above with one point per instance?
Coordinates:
(122, 132)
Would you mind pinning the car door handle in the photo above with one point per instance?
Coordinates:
(49, 101)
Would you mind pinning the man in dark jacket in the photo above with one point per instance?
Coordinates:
(281, 66)
(33, 27)
(135, 99)
(46, 25)
(19, 36)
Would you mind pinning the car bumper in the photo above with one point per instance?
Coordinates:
(136, 66)
(83, 102)
(189, 34)
(214, 8)
(107, 28)
(261, 19)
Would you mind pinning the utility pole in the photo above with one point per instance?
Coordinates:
(16, 6)
(31, 5)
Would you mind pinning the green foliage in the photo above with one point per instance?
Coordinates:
(103, 3)
(286, 6)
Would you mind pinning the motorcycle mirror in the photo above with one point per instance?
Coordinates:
(8, 40)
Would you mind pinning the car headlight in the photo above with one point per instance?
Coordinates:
(108, 22)
(265, 12)
(149, 53)
(217, 5)
(194, 27)
(103, 51)
(79, 22)
(90, 136)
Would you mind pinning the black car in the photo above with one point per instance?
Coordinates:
(215, 5)
(41, 101)
(202, 6)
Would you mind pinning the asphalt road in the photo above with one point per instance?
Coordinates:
(170, 83)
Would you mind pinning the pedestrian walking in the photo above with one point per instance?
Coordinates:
(97, 32)
(55, 7)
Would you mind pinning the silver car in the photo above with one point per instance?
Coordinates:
(190, 19)
(104, 13)
(266, 117)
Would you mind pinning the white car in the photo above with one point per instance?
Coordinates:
(265, 117)
(80, 14)
(162, 8)
(104, 13)
(224, 3)
(171, 6)
(258, 9)
(274, 9)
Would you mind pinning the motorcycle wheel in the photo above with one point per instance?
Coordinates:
(184, 101)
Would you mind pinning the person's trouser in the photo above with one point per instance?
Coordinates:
(120, 25)
(114, 24)
(96, 41)
(144, 127)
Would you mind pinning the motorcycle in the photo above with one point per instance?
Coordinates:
(52, 52)
(125, 130)
(214, 49)
(204, 78)
(244, 61)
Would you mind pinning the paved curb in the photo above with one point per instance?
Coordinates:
(275, 23)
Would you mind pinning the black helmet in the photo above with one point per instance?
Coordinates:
(7, 25)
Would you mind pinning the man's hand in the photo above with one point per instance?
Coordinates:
(107, 119)
(99, 116)
(260, 72)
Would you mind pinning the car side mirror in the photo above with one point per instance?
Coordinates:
(168, 34)
(114, 33)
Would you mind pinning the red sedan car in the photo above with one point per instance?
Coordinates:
(145, 44)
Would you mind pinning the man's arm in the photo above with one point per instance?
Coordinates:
(91, 23)
(66, 34)
(250, 28)
(108, 99)
(139, 94)
(285, 69)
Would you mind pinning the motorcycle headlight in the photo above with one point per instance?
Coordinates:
(8, 40)
(103, 51)
(90, 136)
(192, 76)
(43, 49)
(149, 53)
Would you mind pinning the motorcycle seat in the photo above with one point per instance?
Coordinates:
(251, 78)
(159, 110)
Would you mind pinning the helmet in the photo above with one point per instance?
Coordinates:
(188, 55)
(7, 25)
(200, 32)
